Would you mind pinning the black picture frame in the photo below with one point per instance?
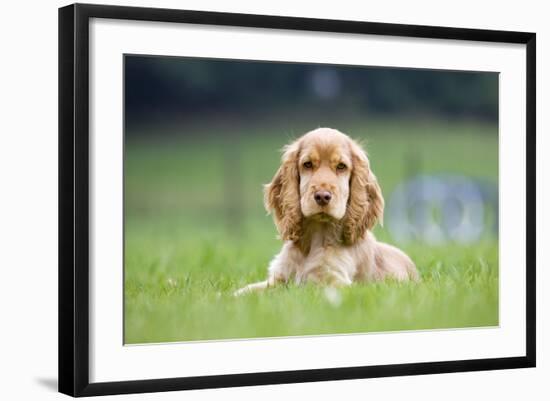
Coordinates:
(74, 198)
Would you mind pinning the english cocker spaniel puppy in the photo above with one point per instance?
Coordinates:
(325, 201)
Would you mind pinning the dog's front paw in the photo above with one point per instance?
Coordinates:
(262, 285)
(241, 291)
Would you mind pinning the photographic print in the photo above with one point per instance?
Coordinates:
(235, 210)
(270, 199)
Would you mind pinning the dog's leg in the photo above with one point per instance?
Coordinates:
(280, 269)
(255, 287)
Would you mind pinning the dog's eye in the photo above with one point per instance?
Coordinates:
(308, 165)
(341, 166)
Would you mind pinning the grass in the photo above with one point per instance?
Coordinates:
(195, 231)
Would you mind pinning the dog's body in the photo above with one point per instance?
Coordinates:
(325, 200)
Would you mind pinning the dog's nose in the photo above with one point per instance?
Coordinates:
(322, 197)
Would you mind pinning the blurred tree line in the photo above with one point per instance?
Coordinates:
(175, 88)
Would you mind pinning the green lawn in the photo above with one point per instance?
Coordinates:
(195, 231)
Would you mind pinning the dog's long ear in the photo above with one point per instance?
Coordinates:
(365, 204)
(282, 195)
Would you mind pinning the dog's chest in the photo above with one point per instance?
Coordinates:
(326, 263)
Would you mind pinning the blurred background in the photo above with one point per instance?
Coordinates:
(202, 135)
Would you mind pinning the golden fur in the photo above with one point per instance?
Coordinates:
(328, 243)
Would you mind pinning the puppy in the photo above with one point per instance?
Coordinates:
(325, 201)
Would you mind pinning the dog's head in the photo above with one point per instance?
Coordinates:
(324, 176)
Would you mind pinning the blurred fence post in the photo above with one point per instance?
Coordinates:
(233, 201)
